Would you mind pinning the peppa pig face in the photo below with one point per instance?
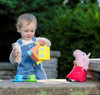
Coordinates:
(81, 58)
(78, 53)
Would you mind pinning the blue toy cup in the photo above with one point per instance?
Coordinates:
(19, 77)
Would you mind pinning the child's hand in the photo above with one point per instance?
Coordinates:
(42, 42)
(15, 52)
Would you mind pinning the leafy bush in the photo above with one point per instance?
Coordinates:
(76, 29)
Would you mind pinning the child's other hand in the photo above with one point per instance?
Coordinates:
(15, 52)
(42, 42)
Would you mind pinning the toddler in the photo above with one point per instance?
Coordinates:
(26, 26)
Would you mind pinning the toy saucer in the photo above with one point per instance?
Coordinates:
(31, 80)
(18, 80)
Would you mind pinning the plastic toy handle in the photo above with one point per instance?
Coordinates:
(38, 62)
(45, 45)
(29, 52)
(38, 44)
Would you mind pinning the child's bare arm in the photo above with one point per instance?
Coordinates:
(15, 55)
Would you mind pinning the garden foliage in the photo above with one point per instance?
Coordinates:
(76, 29)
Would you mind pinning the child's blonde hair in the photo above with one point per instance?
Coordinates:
(26, 17)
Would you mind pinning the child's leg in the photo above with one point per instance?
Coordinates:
(40, 73)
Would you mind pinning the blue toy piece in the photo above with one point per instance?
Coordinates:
(29, 52)
(18, 78)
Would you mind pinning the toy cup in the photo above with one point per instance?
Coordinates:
(31, 77)
(19, 77)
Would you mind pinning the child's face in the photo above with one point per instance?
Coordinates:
(28, 31)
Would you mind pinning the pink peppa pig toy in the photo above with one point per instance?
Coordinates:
(79, 70)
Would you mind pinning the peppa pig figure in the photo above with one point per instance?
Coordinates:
(79, 70)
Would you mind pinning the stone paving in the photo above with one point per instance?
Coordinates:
(53, 86)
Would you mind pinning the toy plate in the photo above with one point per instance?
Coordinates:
(18, 80)
(28, 80)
